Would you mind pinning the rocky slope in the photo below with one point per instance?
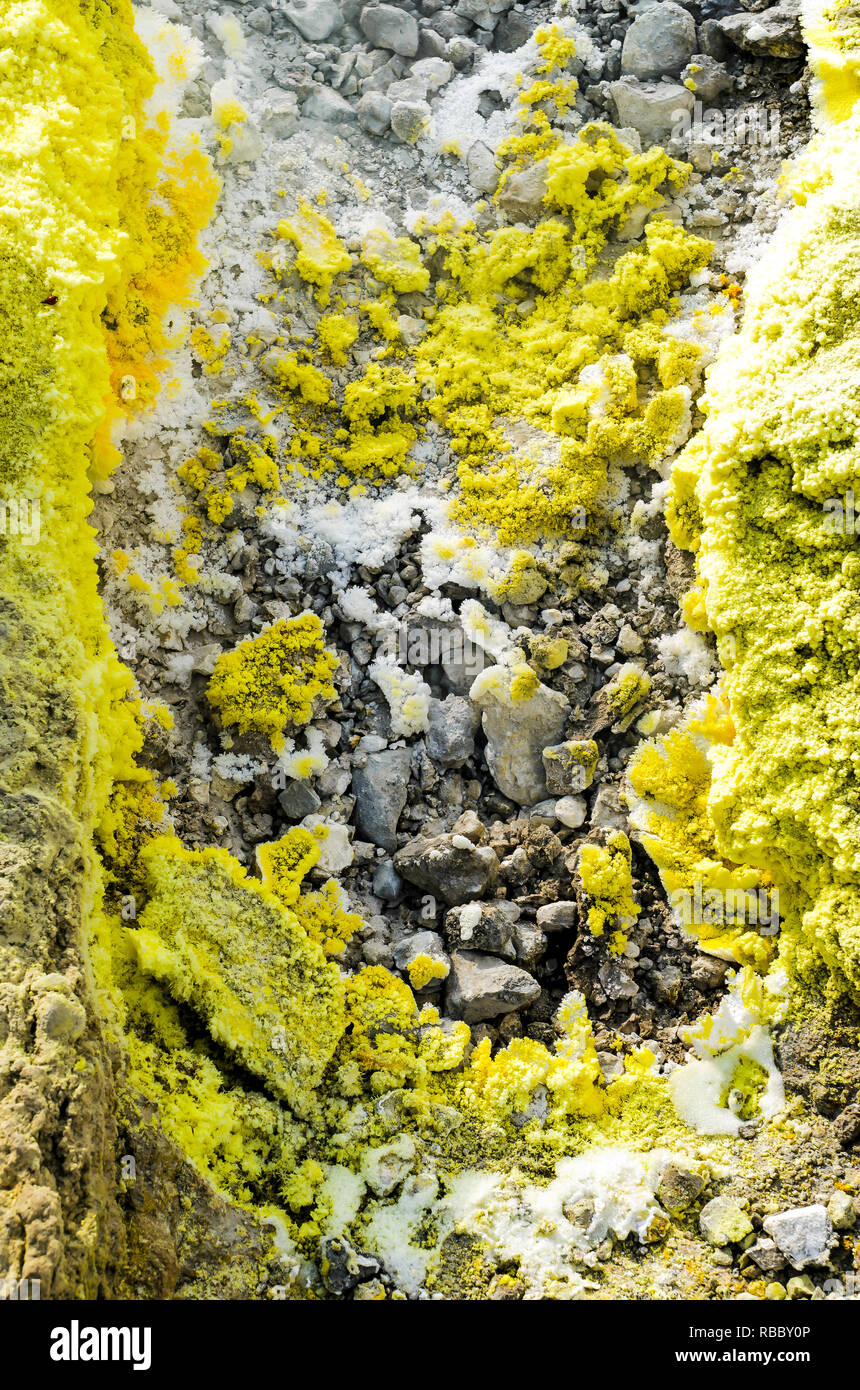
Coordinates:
(441, 912)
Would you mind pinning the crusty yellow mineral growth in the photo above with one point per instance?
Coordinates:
(721, 903)
(95, 238)
(319, 253)
(605, 875)
(523, 332)
(271, 681)
(761, 497)
(223, 943)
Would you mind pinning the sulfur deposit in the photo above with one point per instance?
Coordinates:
(430, 849)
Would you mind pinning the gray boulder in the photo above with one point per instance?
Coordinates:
(298, 799)
(379, 789)
(774, 34)
(529, 943)
(451, 733)
(558, 916)
(709, 78)
(449, 866)
(374, 113)
(659, 42)
(422, 943)
(409, 120)
(655, 110)
(314, 19)
(482, 987)
(388, 27)
(325, 104)
(279, 115)
(804, 1235)
(767, 1255)
(482, 167)
(485, 927)
(522, 197)
(387, 883)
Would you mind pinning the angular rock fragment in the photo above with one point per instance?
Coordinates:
(485, 927)
(803, 1234)
(380, 795)
(482, 987)
(449, 866)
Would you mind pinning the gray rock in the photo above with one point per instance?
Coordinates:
(449, 866)
(431, 44)
(409, 120)
(483, 12)
(260, 19)
(450, 25)
(767, 1255)
(325, 104)
(407, 89)
(487, 927)
(571, 811)
(557, 916)
(522, 197)
(342, 1268)
(774, 34)
(387, 883)
(388, 27)
(434, 642)
(606, 812)
(611, 1065)
(616, 983)
(461, 52)
(434, 72)
(803, 1234)
(846, 1126)
(708, 972)
(678, 1187)
(411, 331)
(517, 732)
(279, 114)
(423, 943)
(654, 110)
(659, 42)
(298, 799)
(482, 987)
(712, 40)
(482, 167)
(374, 113)
(314, 19)
(667, 984)
(512, 32)
(379, 789)
(710, 79)
(451, 733)
(529, 944)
